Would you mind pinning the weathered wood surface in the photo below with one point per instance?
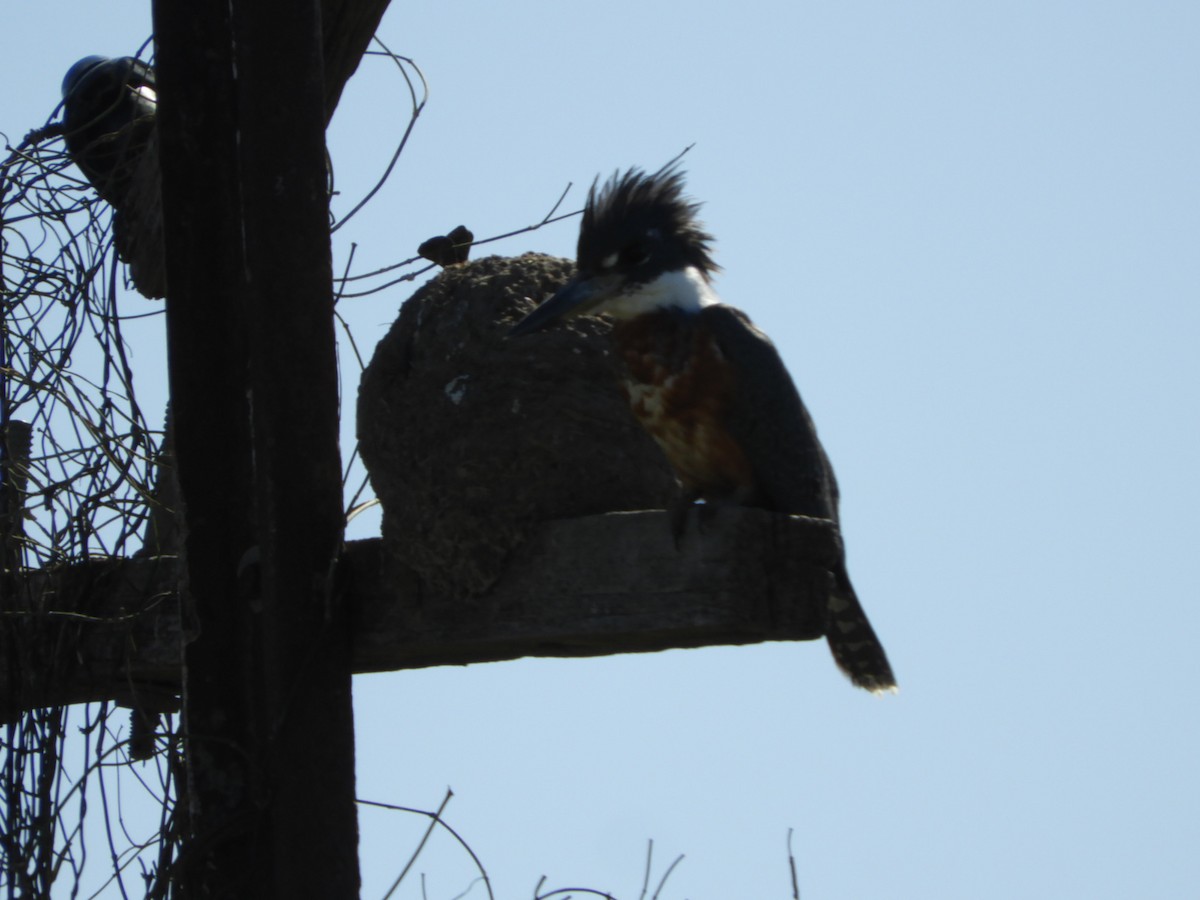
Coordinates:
(593, 586)
(106, 629)
(267, 713)
(608, 584)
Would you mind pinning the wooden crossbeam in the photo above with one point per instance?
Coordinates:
(594, 586)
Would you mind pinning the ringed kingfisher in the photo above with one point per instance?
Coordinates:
(708, 386)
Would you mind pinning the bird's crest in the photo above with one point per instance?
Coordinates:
(633, 206)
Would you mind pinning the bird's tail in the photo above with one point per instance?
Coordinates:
(852, 640)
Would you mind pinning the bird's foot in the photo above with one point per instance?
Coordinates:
(677, 512)
(706, 514)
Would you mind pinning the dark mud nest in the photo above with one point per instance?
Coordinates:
(471, 437)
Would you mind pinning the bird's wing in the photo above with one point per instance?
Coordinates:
(769, 420)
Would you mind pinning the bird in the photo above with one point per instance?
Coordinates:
(109, 108)
(447, 250)
(708, 386)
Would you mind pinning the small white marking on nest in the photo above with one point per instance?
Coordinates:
(516, 407)
(457, 389)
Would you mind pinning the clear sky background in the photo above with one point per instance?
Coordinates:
(973, 230)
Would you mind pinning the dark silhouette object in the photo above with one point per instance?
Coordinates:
(108, 111)
(267, 719)
(703, 381)
(466, 447)
(109, 108)
(451, 249)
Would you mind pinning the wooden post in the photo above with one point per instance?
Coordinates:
(308, 744)
(267, 681)
(208, 370)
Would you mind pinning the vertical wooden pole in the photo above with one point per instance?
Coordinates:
(270, 750)
(209, 378)
(309, 739)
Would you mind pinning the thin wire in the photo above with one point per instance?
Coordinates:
(417, 107)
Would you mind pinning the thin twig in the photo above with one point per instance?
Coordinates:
(437, 820)
(646, 874)
(792, 868)
(666, 875)
(421, 846)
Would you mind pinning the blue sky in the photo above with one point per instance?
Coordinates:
(972, 231)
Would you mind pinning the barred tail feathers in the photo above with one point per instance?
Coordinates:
(855, 647)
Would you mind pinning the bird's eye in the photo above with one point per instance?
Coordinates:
(635, 254)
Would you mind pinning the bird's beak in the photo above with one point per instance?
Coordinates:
(579, 296)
